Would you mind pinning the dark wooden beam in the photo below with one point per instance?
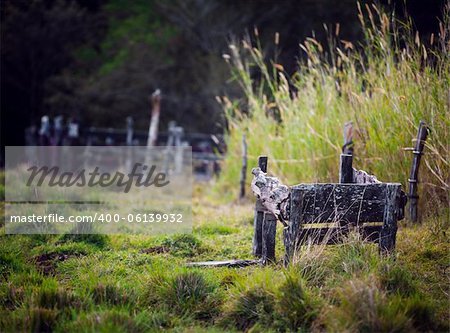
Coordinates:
(413, 177)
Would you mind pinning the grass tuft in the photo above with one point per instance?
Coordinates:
(363, 307)
(296, 305)
(111, 295)
(255, 305)
(184, 245)
(43, 319)
(97, 240)
(396, 279)
(192, 294)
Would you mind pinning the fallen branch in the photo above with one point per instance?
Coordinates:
(225, 263)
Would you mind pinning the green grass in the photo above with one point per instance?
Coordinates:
(123, 287)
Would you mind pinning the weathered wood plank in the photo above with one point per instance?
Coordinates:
(259, 215)
(262, 163)
(224, 263)
(331, 236)
(268, 238)
(347, 203)
(292, 231)
(346, 168)
(389, 229)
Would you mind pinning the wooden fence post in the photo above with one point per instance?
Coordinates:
(259, 215)
(389, 229)
(244, 167)
(346, 158)
(269, 230)
(129, 138)
(413, 177)
(265, 224)
(155, 100)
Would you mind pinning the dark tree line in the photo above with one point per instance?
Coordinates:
(99, 60)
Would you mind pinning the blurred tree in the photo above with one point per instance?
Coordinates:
(38, 39)
(177, 46)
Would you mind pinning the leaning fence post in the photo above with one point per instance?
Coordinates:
(413, 177)
(346, 159)
(244, 167)
(259, 215)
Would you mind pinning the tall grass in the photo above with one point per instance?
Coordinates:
(385, 85)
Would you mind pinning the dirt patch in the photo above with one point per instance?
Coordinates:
(156, 249)
(47, 262)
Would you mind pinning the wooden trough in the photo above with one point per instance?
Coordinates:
(325, 213)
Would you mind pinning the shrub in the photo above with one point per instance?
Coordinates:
(212, 229)
(154, 321)
(11, 296)
(313, 264)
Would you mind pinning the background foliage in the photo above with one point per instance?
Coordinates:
(101, 59)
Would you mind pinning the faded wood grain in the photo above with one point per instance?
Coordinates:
(268, 238)
(259, 216)
(292, 231)
(346, 203)
(389, 229)
(347, 207)
(346, 169)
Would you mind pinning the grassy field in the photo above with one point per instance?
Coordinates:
(98, 283)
